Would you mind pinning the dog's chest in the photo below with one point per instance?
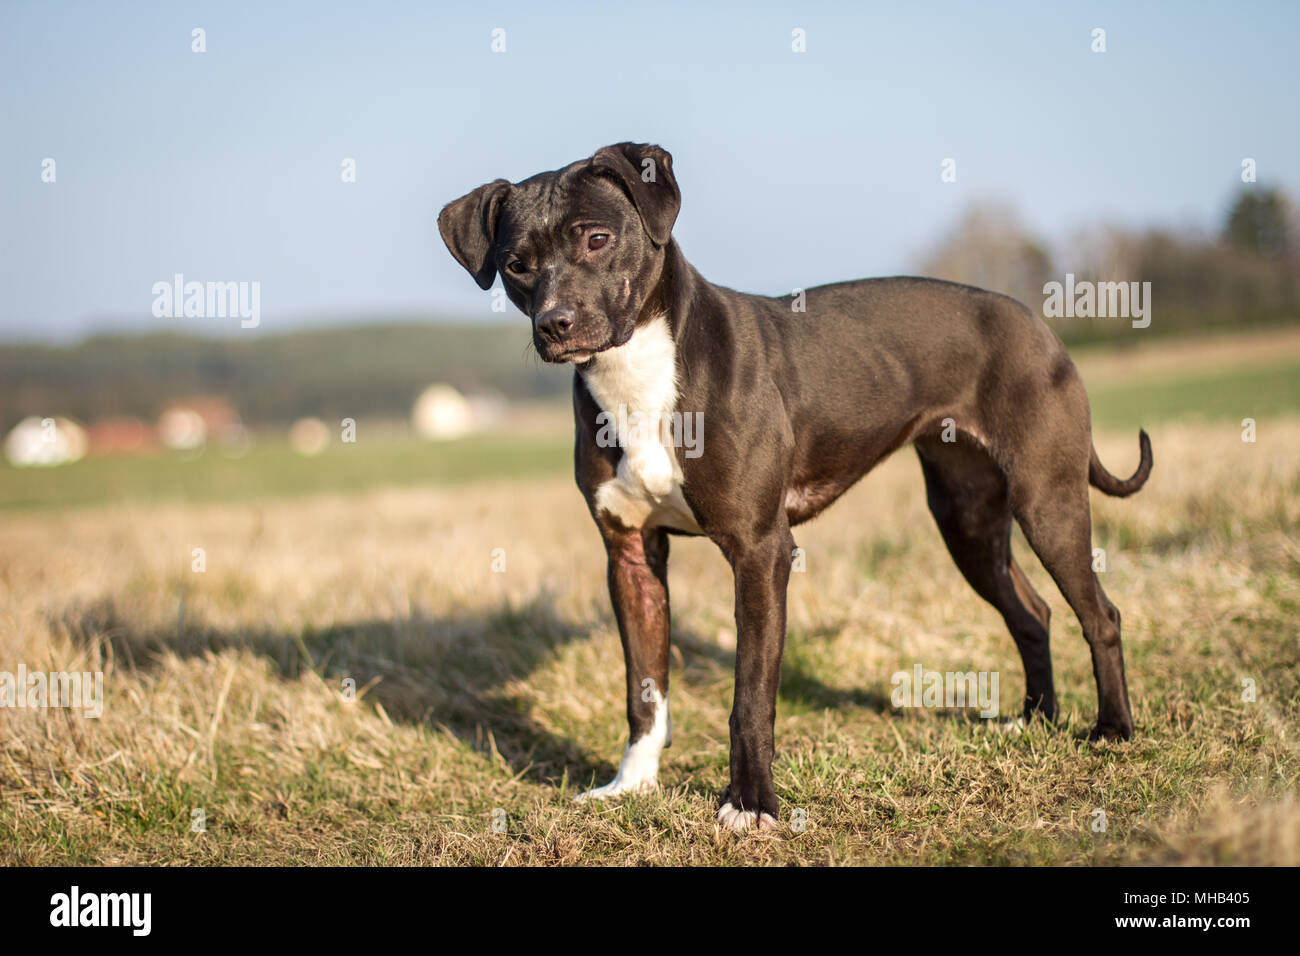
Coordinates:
(635, 386)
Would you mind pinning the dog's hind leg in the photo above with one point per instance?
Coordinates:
(967, 494)
(1049, 498)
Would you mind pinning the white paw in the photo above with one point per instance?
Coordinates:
(740, 820)
(639, 769)
(616, 788)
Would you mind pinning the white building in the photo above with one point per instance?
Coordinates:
(442, 412)
(43, 442)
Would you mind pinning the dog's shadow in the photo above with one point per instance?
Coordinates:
(458, 672)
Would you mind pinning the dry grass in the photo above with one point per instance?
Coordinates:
(482, 690)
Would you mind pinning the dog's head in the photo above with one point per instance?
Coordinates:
(579, 249)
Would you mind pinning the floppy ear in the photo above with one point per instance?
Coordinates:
(646, 172)
(469, 228)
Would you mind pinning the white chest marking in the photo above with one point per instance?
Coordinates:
(636, 386)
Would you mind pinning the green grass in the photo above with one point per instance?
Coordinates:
(272, 469)
(1228, 395)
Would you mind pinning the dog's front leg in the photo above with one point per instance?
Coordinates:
(762, 571)
(638, 588)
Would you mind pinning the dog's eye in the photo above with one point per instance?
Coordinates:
(517, 267)
(597, 240)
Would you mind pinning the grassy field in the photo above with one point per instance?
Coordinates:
(1221, 379)
(488, 694)
(271, 469)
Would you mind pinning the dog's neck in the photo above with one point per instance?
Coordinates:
(641, 374)
(672, 294)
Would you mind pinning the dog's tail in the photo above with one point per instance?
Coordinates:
(1105, 481)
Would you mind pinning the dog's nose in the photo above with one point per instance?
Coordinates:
(555, 324)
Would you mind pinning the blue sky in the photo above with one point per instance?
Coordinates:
(795, 168)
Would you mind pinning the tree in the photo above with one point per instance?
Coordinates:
(1259, 222)
(989, 248)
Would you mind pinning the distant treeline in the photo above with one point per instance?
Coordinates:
(357, 371)
(1246, 274)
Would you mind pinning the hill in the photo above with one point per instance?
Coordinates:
(358, 371)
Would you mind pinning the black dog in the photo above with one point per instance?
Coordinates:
(798, 405)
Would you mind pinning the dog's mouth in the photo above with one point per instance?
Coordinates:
(579, 353)
(574, 355)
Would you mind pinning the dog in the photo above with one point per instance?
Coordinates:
(799, 404)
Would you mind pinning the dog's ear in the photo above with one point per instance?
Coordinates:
(646, 172)
(469, 228)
